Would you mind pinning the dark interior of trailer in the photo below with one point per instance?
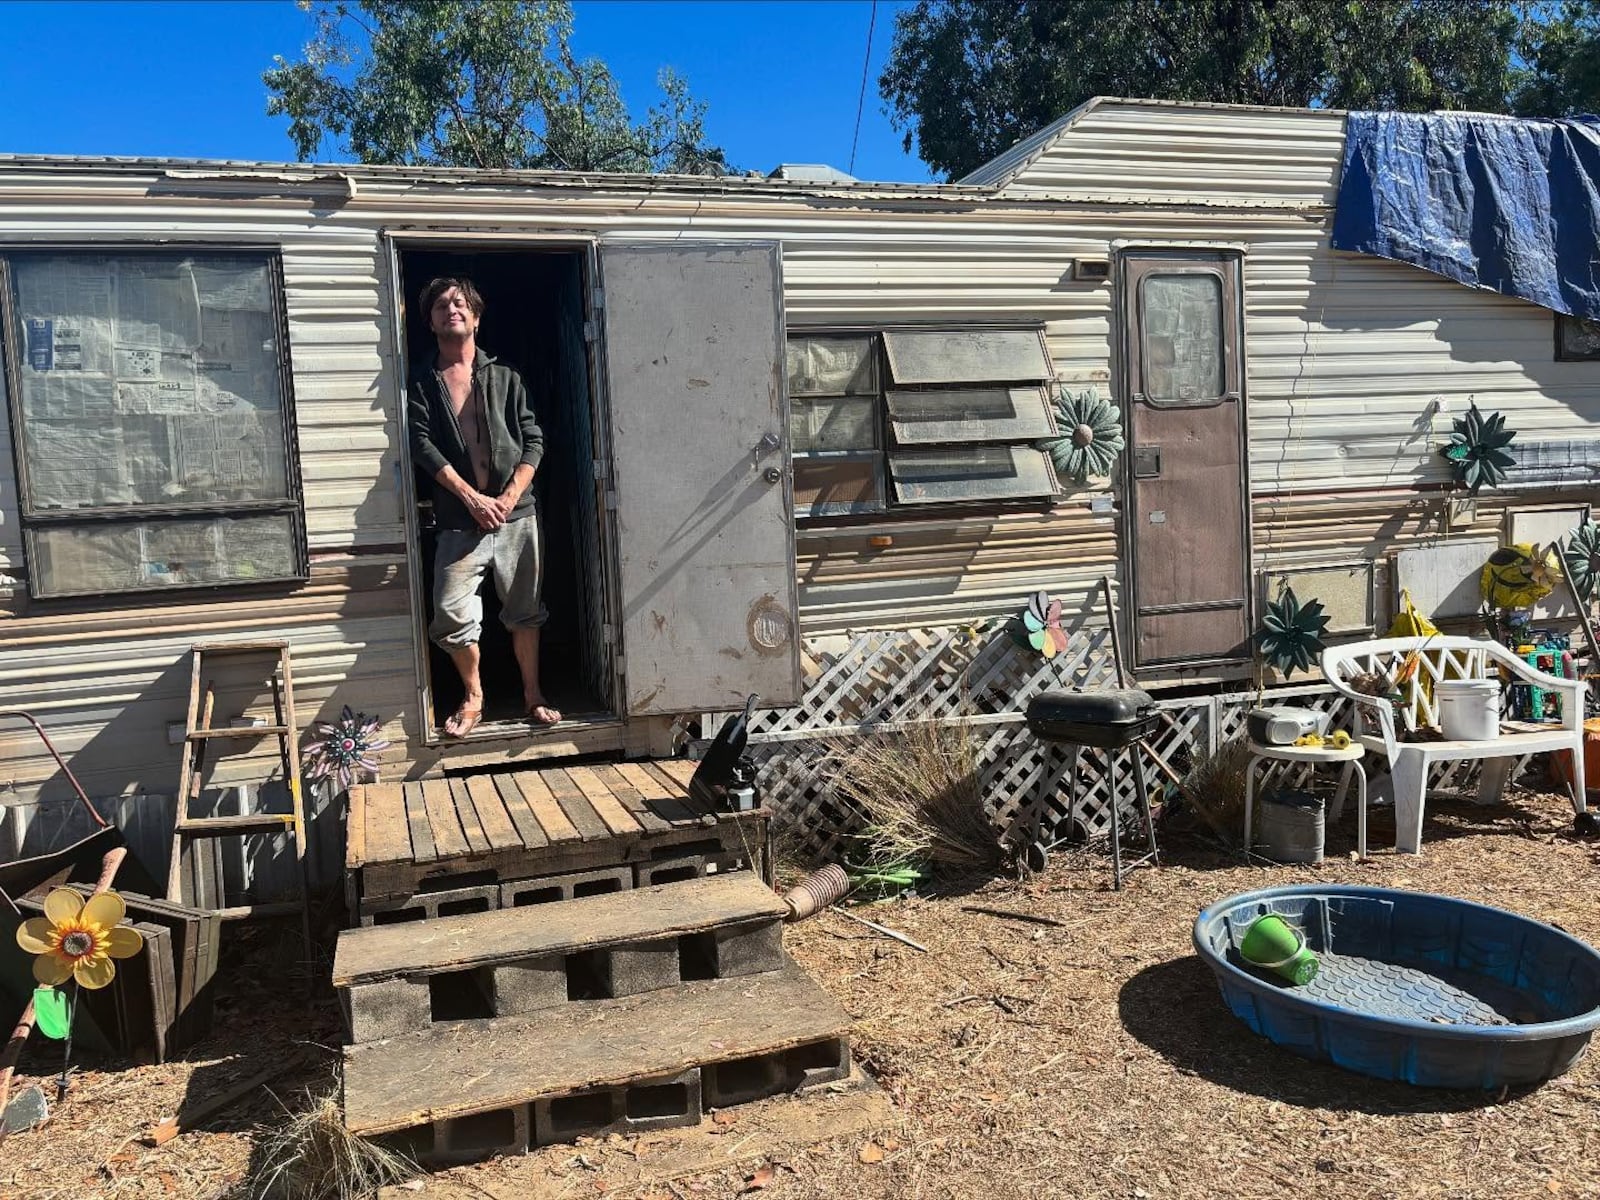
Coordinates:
(533, 321)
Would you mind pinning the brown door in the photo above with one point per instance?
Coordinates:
(1188, 522)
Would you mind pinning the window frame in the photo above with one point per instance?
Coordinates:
(890, 507)
(13, 347)
(1230, 319)
(1561, 352)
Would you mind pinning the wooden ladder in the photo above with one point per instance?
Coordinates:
(188, 879)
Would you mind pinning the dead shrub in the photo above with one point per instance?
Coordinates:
(312, 1156)
(1213, 790)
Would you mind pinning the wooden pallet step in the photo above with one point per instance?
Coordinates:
(483, 939)
(485, 1066)
(241, 823)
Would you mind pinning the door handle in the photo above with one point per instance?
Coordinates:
(1147, 462)
(772, 475)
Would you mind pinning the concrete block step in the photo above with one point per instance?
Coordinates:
(749, 1036)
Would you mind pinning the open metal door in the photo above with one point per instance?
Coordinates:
(1188, 525)
(694, 353)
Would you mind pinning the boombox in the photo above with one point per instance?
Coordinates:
(1280, 726)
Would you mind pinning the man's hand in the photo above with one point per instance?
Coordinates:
(503, 504)
(485, 510)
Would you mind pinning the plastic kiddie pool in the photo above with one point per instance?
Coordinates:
(1413, 987)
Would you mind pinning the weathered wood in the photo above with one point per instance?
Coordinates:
(522, 816)
(449, 840)
(557, 827)
(506, 934)
(611, 810)
(675, 805)
(492, 815)
(679, 770)
(422, 847)
(453, 1071)
(467, 812)
(578, 809)
(638, 807)
(355, 828)
(388, 838)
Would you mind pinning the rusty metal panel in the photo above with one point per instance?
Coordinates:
(694, 349)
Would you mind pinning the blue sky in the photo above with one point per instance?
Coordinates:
(184, 78)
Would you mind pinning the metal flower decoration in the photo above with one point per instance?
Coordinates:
(1091, 436)
(1582, 558)
(348, 745)
(1477, 449)
(77, 940)
(1292, 632)
(1519, 576)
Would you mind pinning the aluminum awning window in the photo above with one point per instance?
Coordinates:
(914, 418)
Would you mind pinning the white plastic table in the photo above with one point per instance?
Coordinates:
(1350, 756)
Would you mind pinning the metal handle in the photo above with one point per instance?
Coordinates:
(772, 475)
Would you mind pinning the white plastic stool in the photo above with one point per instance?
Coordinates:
(1350, 756)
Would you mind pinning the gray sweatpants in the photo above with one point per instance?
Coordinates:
(514, 552)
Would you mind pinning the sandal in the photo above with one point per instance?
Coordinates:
(543, 714)
(465, 721)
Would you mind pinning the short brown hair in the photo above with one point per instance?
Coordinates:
(443, 284)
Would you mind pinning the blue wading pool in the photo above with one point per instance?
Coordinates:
(1413, 986)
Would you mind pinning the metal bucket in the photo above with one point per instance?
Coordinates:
(1292, 827)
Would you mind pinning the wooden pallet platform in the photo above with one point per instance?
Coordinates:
(528, 823)
(478, 1066)
(508, 934)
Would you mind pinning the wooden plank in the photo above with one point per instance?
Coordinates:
(438, 1073)
(522, 816)
(542, 802)
(679, 770)
(506, 934)
(645, 783)
(477, 839)
(675, 805)
(638, 807)
(355, 828)
(578, 809)
(449, 841)
(492, 815)
(611, 810)
(422, 847)
(388, 837)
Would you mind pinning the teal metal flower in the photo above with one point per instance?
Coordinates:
(1477, 450)
(1582, 558)
(1091, 436)
(1291, 635)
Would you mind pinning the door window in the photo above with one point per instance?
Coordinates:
(1182, 329)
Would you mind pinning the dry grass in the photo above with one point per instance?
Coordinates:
(1213, 790)
(310, 1156)
(919, 797)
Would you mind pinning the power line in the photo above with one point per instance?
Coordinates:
(861, 100)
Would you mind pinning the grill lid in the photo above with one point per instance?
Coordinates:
(1118, 706)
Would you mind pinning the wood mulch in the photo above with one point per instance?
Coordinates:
(1085, 1052)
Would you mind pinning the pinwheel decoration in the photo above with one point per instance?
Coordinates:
(1091, 436)
(1582, 558)
(347, 745)
(1291, 634)
(1041, 625)
(1519, 576)
(1477, 450)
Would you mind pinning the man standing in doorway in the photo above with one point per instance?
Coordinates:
(475, 436)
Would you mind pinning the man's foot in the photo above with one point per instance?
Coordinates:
(541, 713)
(464, 720)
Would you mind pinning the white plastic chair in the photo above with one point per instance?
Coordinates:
(1449, 658)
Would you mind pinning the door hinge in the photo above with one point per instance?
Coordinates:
(599, 467)
(608, 634)
(597, 299)
(617, 664)
(611, 500)
(591, 331)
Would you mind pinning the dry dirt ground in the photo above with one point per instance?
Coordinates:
(1090, 1056)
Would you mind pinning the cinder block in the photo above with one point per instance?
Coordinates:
(742, 1080)
(429, 906)
(549, 889)
(749, 949)
(387, 1009)
(480, 1135)
(581, 1114)
(669, 870)
(668, 1102)
(817, 1063)
(530, 984)
(640, 967)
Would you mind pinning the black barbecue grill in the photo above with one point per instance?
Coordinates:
(1109, 720)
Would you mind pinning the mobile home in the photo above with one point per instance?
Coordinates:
(793, 433)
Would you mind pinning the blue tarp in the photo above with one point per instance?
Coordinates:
(1491, 202)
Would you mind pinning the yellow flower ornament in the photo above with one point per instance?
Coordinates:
(77, 939)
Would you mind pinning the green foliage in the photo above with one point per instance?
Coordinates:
(968, 78)
(1562, 52)
(491, 84)
(1292, 633)
(1477, 449)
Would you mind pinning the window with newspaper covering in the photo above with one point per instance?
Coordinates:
(152, 420)
(907, 419)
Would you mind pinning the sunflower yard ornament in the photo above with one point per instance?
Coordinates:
(1519, 576)
(1477, 450)
(78, 940)
(1091, 436)
(1291, 634)
(348, 745)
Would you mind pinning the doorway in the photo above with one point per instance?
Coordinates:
(534, 321)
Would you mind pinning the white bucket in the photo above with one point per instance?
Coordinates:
(1469, 709)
